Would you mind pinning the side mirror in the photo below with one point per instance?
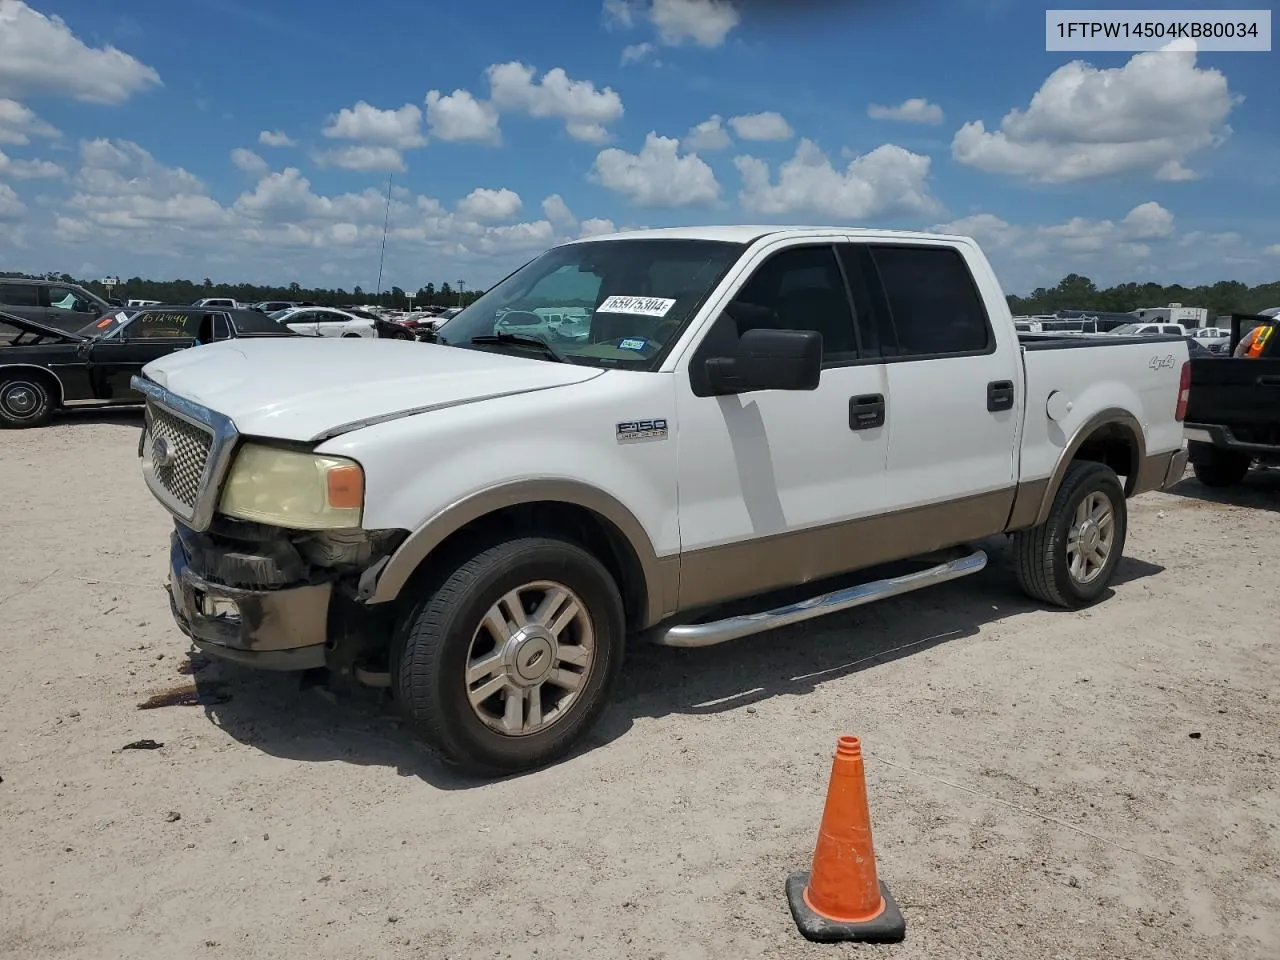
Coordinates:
(769, 360)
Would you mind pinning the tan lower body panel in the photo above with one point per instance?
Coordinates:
(733, 570)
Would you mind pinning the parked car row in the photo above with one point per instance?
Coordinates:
(45, 368)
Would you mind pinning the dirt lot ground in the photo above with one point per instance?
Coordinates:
(1043, 784)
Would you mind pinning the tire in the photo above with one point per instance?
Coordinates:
(1043, 554)
(450, 629)
(1215, 467)
(26, 400)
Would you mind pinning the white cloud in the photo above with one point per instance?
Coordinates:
(557, 211)
(762, 126)
(460, 117)
(39, 55)
(18, 124)
(705, 22)
(121, 167)
(1043, 253)
(635, 52)
(617, 13)
(30, 169)
(657, 176)
(1147, 116)
(888, 181)
(365, 123)
(707, 136)
(586, 111)
(915, 110)
(275, 138)
(1274, 250)
(596, 227)
(362, 158)
(11, 206)
(484, 204)
(248, 161)
(1148, 221)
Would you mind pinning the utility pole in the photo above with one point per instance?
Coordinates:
(460, 285)
(386, 219)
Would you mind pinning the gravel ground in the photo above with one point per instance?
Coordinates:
(1043, 784)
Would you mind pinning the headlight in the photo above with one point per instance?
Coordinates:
(288, 488)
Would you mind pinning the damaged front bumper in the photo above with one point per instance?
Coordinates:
(267, 604)
(272, 629)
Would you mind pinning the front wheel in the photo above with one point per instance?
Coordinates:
(510, 660)
(25, 401)
(1069, 559)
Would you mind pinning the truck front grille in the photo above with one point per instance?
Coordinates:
(186, 447)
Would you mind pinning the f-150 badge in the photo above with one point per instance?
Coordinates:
(630, 431)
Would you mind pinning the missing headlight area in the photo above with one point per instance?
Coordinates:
(254, 556)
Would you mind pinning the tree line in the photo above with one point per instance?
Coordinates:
(1075, 292)
(188, 291)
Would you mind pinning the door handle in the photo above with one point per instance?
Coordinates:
(999, 395)
(1269, 381)
(866, 412)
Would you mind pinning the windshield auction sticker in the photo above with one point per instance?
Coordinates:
(637, 306)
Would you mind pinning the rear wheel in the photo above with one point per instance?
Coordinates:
(1215, 467)
(508, 662)
(26, 400)
(1069, 559)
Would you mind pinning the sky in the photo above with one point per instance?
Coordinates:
(243, 140)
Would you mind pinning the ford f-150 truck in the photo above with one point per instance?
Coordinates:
(479, 522)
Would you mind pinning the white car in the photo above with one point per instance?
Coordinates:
(218, 302)
(481, 522)
(325, 322)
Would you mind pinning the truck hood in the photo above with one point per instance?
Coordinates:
(313, 388)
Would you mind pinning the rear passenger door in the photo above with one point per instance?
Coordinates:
(953, 411)
(304, 322)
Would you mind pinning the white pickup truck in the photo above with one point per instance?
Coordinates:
(478, 523)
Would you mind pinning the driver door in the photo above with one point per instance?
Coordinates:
(776, 486)
(148, 336)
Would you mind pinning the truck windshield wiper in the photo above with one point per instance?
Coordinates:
(520, 340)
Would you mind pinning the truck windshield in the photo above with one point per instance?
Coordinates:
(606, 303)
(1126, 328)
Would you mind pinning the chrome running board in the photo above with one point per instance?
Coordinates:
(732, 628)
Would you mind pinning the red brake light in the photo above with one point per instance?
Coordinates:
(1184, 392)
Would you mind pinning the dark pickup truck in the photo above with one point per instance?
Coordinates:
(1233, 408)
(44, 369)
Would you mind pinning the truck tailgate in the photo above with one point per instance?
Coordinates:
(1244, 393)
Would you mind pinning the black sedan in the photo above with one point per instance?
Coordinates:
(44, 369)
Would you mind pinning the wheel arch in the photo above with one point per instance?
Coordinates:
(44, 373)
(595, 519)
(1113, 437)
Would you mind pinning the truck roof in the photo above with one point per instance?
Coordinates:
(746, 233)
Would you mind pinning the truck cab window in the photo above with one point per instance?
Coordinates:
(800, 289)
(62, 298)
(931, 296)
(19, 295)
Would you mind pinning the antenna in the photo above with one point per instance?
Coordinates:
(385, 221)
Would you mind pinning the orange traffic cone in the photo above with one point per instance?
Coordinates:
(842, 899)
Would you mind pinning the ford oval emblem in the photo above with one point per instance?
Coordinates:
(162, 452)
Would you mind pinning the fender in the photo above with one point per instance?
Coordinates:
(62, 387)
(1035, 497)
(661, 574)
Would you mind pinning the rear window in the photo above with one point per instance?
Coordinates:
(935, 306)
(19, 295)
